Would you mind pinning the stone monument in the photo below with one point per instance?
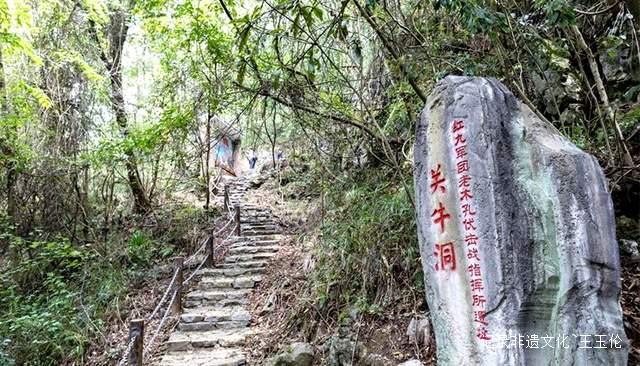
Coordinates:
(517, 235)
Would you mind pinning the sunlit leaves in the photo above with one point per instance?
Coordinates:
(39, 95)
(558, 56)
(144, 139)
(12, 21)
(97, 11)
(13, 43)
(71, 56)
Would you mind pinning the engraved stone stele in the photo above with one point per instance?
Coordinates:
(517, 235)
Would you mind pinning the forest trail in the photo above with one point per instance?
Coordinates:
(215, 321)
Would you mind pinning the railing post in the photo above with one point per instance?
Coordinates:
(226, 198)
(238, 229)
(136, 330)
(210, 254)
(176, 306)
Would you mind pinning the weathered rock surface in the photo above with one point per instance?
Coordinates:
(517, 235)
(419, 331)
(629, 247)
(298, 354)
(343, 351)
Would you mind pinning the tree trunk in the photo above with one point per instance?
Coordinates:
(118, 35)
(206, 163)
(7, 150)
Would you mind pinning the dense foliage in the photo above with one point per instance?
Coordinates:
(364, 260)
(104, 106)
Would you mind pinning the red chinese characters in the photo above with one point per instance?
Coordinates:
(445, 256)
(445, 253)
(440, 215)
(474, 270)
(437, 180)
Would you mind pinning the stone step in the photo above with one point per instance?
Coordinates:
(230, 272)
(258, 223)
(252, 213)
(216, 321)
(214, 314)
(239, 282)
(256, 243)
(206, 357)
(206, 326)
(258, 232)
(256, 216)
(254, 238)
(205, 297)
(252, 264)
(183, 341)
(248, 257)
(227, 302)
(259, 227)
(251, 249)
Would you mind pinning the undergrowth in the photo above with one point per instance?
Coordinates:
(57, 296)
(367, 255)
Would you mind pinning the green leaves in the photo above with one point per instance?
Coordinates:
(558, 12)
(97, 11)
(37, 308)
(558, 55)
(368, 225)
(39, 95)
(242, 69)
(244, 37)
(74, 57)
(140, 248)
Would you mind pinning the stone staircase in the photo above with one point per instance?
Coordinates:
(216, 321)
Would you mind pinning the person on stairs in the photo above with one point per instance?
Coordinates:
(253, 158)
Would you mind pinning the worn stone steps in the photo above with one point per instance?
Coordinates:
(230, 272)
(206, 326)
(216, 321)
(206, 357)
(252, 264)
(215, 314)
(222, 302)
(248, 257)
(256, 238)
(257, 243)
(252, 249)
(238, 282)
(257, 232)
(271, 228)
(227, 297)
(182, 341)
(255, 218)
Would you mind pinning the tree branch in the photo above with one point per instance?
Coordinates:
(310, 110)
(387, 45)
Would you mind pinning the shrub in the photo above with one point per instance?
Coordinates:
(368, 252)
(140, 249)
